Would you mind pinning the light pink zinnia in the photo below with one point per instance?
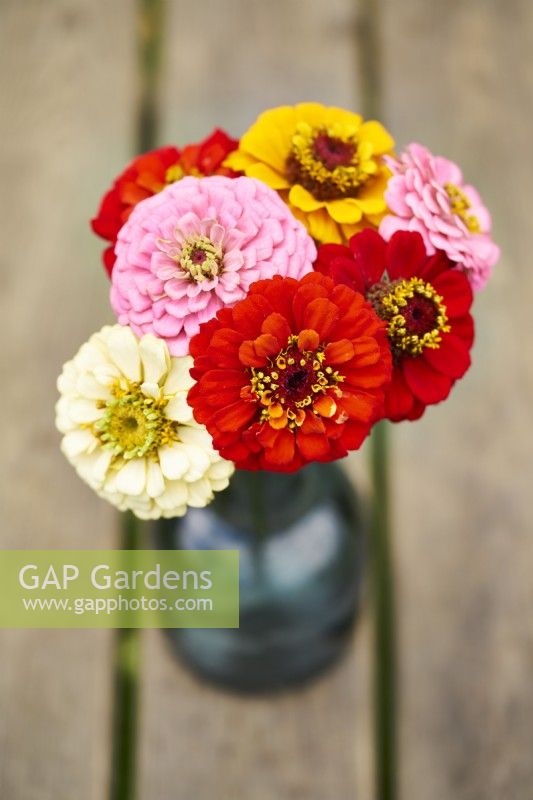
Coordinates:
(427, 194)
(196, 247)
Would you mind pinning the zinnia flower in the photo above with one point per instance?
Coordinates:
(327, 163)
(129, 431)
(196, 247)
(425, 303)
(150, 172)
(293, 373)
(428, 194)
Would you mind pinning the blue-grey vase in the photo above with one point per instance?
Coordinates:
(300, 538)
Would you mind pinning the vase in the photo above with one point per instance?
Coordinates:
(300, 543)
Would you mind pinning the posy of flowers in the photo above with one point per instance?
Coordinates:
(275, 297)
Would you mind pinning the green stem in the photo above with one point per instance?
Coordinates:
(370, 79)
(257, 503)
(150, 19)
(369, 58)
(128, 640)
(256, 490)
(127, 668)
(384, 620)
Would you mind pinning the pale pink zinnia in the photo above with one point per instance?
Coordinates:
(428, 194)
(196, 247)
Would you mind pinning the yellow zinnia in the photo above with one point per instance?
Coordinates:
(327, 163)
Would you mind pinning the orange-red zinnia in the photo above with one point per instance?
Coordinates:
(293, 373)
(150, 172)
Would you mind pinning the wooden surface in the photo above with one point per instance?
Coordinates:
(461, 79)
(65, 127)
(458, 76)
(314, 745)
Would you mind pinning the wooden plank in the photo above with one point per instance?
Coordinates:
(458, 78)
(196, 742)
(307, 745)
(66, 97)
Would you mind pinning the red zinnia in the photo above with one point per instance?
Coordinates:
(149, 173)
(426, 305)
(293, 373)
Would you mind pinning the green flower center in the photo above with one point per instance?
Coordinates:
(133, 425)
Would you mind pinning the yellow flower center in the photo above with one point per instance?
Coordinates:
(330, 162)
(201, 259)
(296, 379)
(460, 205)
(133, 425)
(415, 313)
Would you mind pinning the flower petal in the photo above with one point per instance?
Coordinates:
(272, 178)
(406, 254)
(312, 446)
(78, 441)
(283, 451)
(308, 340)
(200, 493)
(452, 358)
(276, 325)
(426, 383)
(323, 228)
(344, 211)
(155, 483)
(154, 357)
(174, 498)
(199, 462)
(235, 416)
(178, 409)
(124, 351)
(151, 390)
(372, 205)
(339, 352)
(174, 462)
(375, 133)
(82, 410)
(131, 479)
(369, 253)
(320, 315)
(303, 199)
(399, 400)
(179, 378)
(456, 292)
(325, 406)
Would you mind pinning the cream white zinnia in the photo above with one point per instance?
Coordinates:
(128, 429)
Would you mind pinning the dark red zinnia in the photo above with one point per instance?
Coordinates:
(150, 172)
(426, 305)
(293, 373)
